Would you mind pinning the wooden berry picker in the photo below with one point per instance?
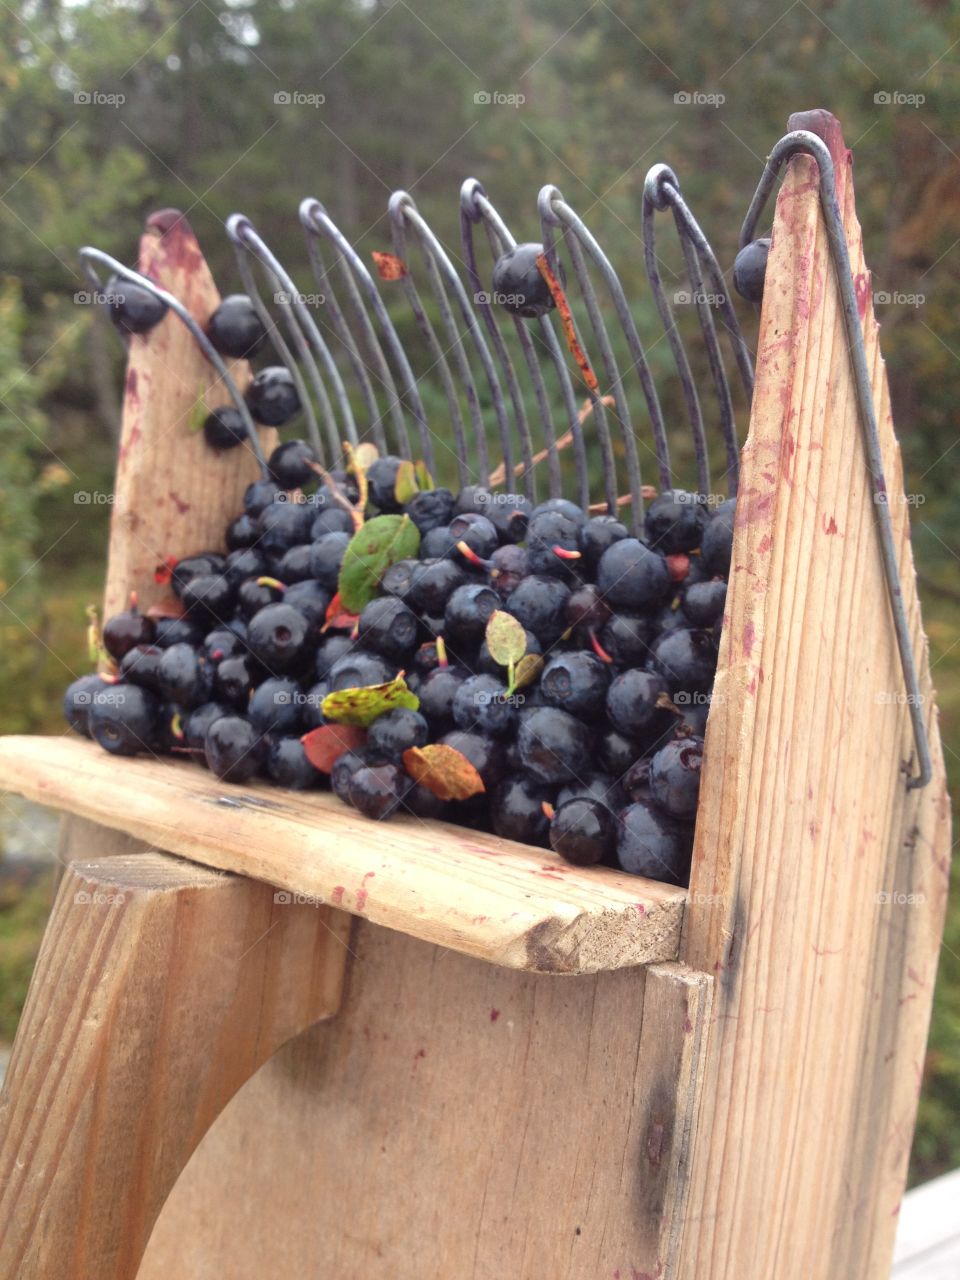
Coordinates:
(254, 1002)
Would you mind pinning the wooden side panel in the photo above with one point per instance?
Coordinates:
(820, 882)
(160, 988)
(455, 1120)
(173, 494)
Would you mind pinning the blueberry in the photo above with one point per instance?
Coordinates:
(233, 681)
(78, 701)
(198, 721)
(750, 269)
(626, 638)
(278, 635)
(178, 631)
(382, 483)
(258, 496)
(292, 464)
(397, 731)
(295, 565)
(468, 611)
(649, 844)
(686, 659)
(635, 703)
(430, 509)
(377, 789)
(358, 669)
(386, 626)
(326, 557)
(583, 831)
(272, 396)
(483, 753)
(477, 533)
(233, 749)
(123, 719)
(142, 666)
(241, 532)
(311, 599)
(223, 428)
(235, 329)
(517, 284)
(553, 543)
(539, 604)
(517, 811)
(282, 525)
(276, 706)
(124, 631)
(599, 533)
(703, 602)
(717, 547)
(133, 308)
(631, 576)
(433, 583)
(436, 694)
(675, 777)
(331, 519)
(675, 521)
(208, 596)
(554, 745)
(288, 766)
(334, 646)
(185, 676)
(576, 682)
(481, 705)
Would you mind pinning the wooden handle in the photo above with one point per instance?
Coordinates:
(161, 987)
(174, 495)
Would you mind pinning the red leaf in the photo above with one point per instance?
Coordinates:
(324, 746)
(164, 570)
(337, 618)
(444, 771)
(389, 267)
(566, 319)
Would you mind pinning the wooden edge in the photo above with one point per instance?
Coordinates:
(507, 903)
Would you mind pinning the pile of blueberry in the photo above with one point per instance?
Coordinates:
(586, 737)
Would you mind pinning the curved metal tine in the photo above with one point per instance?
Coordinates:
(803, 141)
(304, 331)
(571, 220)
(500, 239)
(708, 259)
(442, 268)
(471, 196)
(704, 307)
(653, 200)
(317, 223)
(625, 316)
(279, 345)
(89, 255)
(548, 222)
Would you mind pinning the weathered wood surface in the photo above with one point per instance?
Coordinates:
(173, 494)
(819, 881)
(161, 987)
(505, 902)
(455, 1120)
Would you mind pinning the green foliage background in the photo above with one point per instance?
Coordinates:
(200, 129)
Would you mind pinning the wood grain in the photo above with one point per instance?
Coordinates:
(819, 882)
(173, 494)
(456, 1121)
(160, 988)
(505, 902)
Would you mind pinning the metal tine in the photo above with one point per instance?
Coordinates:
(89, 255)
(317, 223)
(568, 216)
(304, 331)
(471, 195)
(717, 370)
(548, 222)
(440, 267)
(803, 141)
(653, 200)
(500, 239)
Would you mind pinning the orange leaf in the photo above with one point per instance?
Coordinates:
(164, 570)
(324, 746)
(337, 618)
(444, 771)
(566, 319)
(389, 266)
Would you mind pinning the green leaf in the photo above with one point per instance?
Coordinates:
(198, 415)
(424, 478)
(362, 706)
(406, 486)
(506, 638)
(371, 551)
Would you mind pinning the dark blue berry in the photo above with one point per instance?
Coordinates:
(123, 719)
(583, 831)
(292, 464)
(750, 269)
(288, 766)
(272, 396)
(235, 329)
(133, 308)
(277, 635)
(631, 576)
(223, 428)
(650, 844)
(675, 777)
(518, 285)
(233, 749)
(276, 706)
(554, 745)
(78, 701)
(397, 731)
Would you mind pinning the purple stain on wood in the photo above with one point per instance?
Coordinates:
(362, 893)
(829, 526)
(494, 1014)
(687, 1025)
(656, 1138)
(861, 284)
(336, 894)
(748, 639)
(182, 507)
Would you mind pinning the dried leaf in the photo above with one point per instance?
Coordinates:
(506, 638)
(371, 551)
(361, 706)
(444, 771)
(566, 319)
(424, 478)
(337, 618)
(323, 747)
(164, 570)
(407, 486)
(389, 266)
(527, 670)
